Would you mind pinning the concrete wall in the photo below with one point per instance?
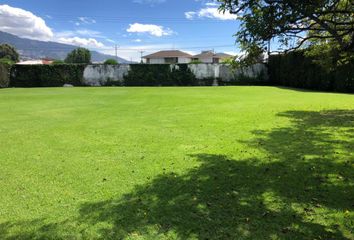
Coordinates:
(98, 75)
(203, 70)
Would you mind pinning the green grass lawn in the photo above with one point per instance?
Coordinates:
(176, 163)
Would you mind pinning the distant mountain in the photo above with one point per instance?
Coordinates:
(33, 49)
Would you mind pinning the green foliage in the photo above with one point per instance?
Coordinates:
(112, 83)
(79, 55)
(47, 75)
(296, 69)
(242, 79)
(293, 24)
(181, 75)
(229, 60)
(159, 75)
(58, 61)
(111, 62)
(6, 61)
(9, 53)
(4, 74)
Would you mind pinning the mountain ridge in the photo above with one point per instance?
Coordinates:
(35, 49)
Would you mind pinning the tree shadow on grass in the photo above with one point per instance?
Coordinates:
(302, 188)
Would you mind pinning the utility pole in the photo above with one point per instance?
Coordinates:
(141, 56)
(116, 49)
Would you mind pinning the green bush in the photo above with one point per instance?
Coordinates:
(79, 56)
(9, 52)
(6, 61)
(181, 75)
(159, 75)
(111, 62)
(297, 70)
(47, 75)
(4, 75)
(58, 61)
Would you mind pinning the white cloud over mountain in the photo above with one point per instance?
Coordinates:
(83, 42)
(24, 24)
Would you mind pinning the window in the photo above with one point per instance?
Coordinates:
(171, 60)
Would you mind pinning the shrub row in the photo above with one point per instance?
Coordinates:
(4, 75)
(160, 75)
(294, 69)
(47, 75)
(242, 79)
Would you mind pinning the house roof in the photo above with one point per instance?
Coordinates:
(223, 55)
(204, 54)
(35, 62)
(211, 54)
(168, 54)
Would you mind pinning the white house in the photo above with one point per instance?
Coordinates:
(36, 62)
(211, 57)
(169, 57)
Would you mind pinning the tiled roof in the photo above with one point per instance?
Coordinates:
(168, 54)
(211, 54)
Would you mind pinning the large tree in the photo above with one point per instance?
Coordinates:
(79, 55)
(9, 53)
(294, 23)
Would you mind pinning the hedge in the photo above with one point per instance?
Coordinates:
(4, 75)
(47, 75)
(160, 75)
(294, 69)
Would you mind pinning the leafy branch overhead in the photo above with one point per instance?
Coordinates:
(295, 24)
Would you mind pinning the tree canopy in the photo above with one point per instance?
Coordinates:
(79, 55)
(111, 61)
(8, 53)
(327, 24)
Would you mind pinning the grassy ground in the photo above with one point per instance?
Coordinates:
(176, 163)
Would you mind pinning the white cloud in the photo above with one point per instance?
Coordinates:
(151, 2)
(211, 10)
(83, 42)
(110, 40)
(154, 30)
(137, 40)
(23, 24)
(85, 21)
(212, 4)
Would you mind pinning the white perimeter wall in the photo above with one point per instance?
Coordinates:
(98, 75)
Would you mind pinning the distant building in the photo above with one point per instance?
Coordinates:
(169, 57)
(211, 57)
(36, 62)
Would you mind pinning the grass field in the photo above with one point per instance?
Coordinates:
(176, 163)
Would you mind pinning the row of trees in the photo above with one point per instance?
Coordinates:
(9, 55)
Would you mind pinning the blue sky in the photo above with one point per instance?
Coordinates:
(132, 25)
